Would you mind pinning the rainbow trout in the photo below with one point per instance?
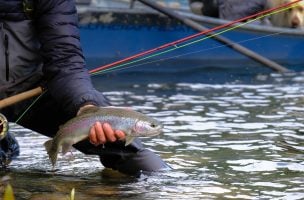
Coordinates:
(134, 124)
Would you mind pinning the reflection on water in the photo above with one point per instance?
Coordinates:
(224, 141)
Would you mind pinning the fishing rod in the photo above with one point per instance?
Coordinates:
(202, 32)
(39, 90)
(20, 97)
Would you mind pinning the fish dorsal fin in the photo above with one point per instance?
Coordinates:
(90, 109)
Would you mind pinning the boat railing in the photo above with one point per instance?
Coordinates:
(259, 26)
(133, 4)
(125, 6)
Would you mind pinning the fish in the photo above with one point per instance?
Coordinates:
(3, 126)
(132, 123)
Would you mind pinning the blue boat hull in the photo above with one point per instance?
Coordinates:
(109, 36)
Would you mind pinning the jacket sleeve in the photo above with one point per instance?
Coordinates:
(67, 79)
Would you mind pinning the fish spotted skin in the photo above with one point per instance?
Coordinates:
(132, 123)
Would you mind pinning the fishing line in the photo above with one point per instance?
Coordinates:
(175, 47)
(185, 54)
(30, 106)
(259, 15)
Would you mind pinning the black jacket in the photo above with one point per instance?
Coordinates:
(57, 46)
(237, 9)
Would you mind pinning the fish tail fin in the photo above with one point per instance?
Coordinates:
(52, 152)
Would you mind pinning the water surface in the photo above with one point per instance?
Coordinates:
(233, 140)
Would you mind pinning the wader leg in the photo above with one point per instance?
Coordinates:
(132, 159)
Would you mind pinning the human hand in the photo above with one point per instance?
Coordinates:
(101, 133)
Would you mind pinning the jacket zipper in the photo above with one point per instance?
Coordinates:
(6, 56)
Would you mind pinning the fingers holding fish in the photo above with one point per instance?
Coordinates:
(96, 135)
(120, 135)
(111, 134)
(102, 133)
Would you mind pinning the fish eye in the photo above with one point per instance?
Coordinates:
(153, 125)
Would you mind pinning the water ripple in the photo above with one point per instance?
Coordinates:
(223, 141)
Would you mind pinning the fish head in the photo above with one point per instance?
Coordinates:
(147, 128)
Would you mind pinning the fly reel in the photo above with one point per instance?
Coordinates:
(3, 126)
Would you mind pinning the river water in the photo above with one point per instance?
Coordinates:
(231, 140)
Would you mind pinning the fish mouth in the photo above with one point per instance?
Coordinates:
(156, 130)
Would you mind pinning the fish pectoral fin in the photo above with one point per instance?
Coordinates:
(66, 147)
(129, 140)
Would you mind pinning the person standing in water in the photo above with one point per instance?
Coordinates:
(40, 46)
